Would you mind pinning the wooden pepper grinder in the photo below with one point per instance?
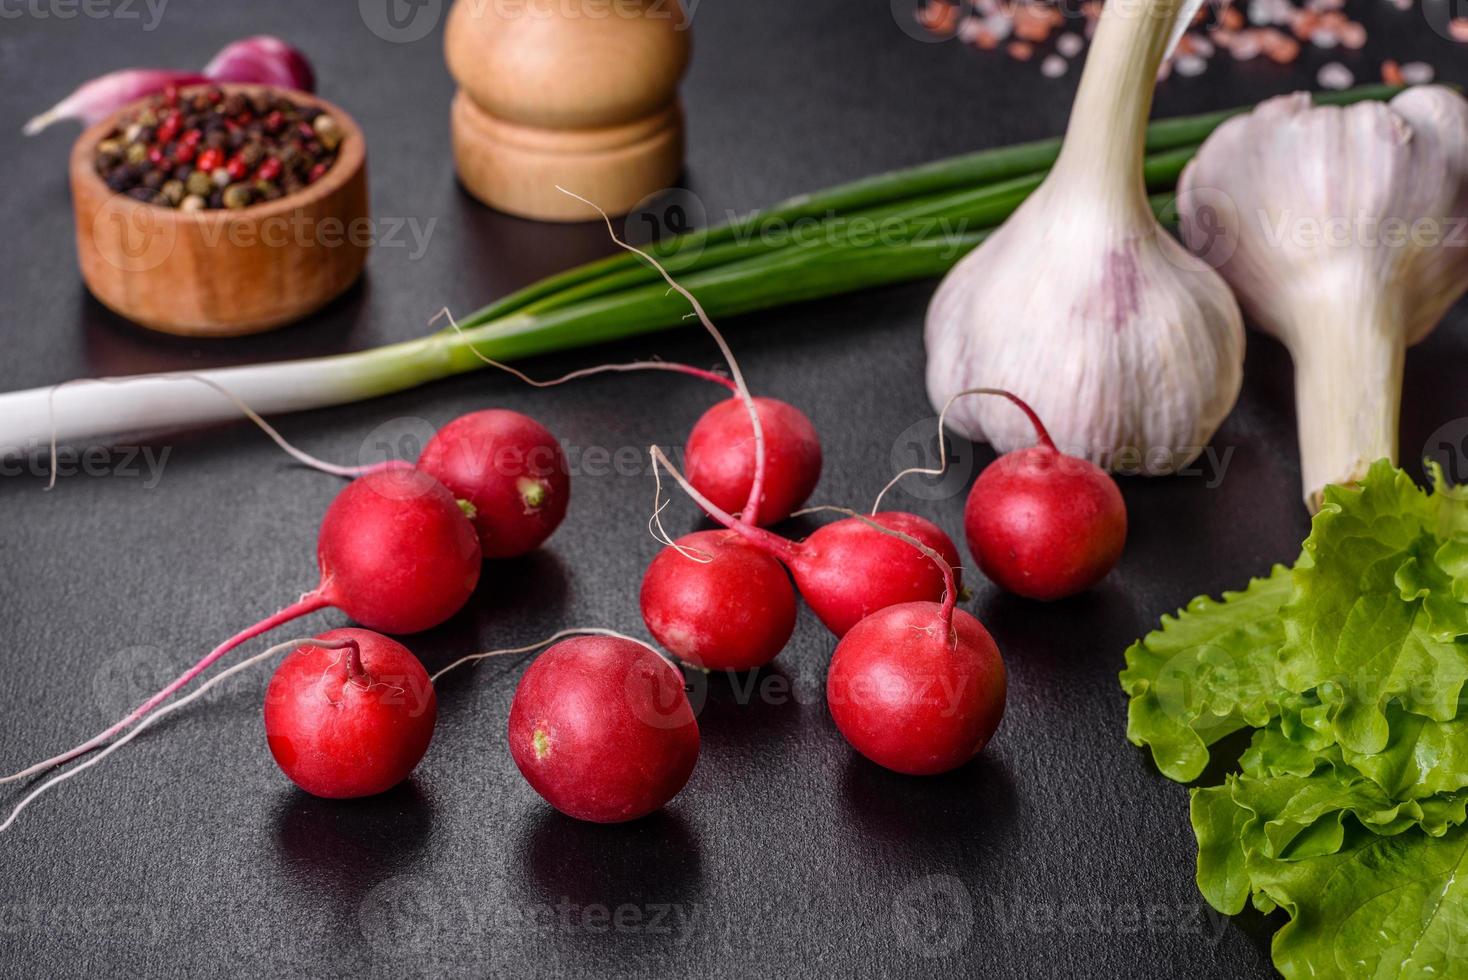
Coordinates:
(581, 93)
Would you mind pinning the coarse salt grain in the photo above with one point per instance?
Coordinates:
(1053, 66)
(1353, 36)
(1246, 47)
(1069, 44)
(1190, 66)
(1324, 39)
(1458, 29)
(969, 28)
(1335, 76)
(1418, 73)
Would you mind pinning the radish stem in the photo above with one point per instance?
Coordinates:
(162, 713)
(532, 647)
(1041, 435)
(307, 604)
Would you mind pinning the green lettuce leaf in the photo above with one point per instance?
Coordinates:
(1208, 672)
(1380, 907)
(1359, 628)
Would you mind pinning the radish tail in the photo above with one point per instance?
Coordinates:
(299, 455)
(166, 710)
(629, 366)
(309, 603)
(1042, 436)
(757, 488)
(766, 541)
(531, 648)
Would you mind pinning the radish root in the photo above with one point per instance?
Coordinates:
(653, 365)
(299, 455)
(474, 658)
(757, 489)
(163, 712)
(942, 467)
(308, 603)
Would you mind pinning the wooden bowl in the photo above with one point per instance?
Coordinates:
(222, 273)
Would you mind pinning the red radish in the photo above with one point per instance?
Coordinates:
(1040, 523)
(721, 462)
(344, 723)
(510, 469)
(848, 569)
(396, 554)
(718, 602)
(602, 729)
(918, 688)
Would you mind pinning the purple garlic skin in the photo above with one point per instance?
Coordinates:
(1344, 233)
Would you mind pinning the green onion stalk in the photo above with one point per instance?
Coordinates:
(896, 227)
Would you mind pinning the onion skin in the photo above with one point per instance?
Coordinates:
(263, 60)
(259, 60)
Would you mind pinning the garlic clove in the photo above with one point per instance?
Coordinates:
(1344, 233)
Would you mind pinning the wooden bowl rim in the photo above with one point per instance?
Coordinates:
(348, 164)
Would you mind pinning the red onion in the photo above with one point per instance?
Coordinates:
(261, 60)
(98, 98)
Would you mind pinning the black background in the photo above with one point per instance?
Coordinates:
(1061, 851)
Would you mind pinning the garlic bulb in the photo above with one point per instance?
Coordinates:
(1130, 348)
(1344, 232)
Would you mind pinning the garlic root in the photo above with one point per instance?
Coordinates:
(1344, 233)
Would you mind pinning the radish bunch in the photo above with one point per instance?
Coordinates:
(600, 725)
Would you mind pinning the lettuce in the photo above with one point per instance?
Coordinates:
(1347, 810)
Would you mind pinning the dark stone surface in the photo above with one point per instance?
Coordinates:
(1060, 852)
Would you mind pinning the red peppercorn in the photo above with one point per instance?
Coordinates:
(305, 130)
(184, 152)
(216, 95)
(155, 155)
(193, 137)
(168, 128)
(236, 168)
(274, 121)
(211, 160)
(170, 95)
(317, 172)
(269, 170)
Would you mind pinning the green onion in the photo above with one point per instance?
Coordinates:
(930, 217)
